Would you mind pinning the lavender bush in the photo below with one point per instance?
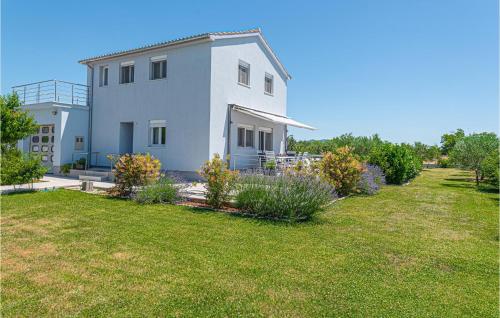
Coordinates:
(285, 197)
(371, 180)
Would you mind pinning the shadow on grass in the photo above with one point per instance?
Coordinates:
(19, 192)
(481, 188)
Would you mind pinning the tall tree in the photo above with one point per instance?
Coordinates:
(448, 141)
(16, 123)
(470, 152)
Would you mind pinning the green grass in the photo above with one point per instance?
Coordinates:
(426, 249)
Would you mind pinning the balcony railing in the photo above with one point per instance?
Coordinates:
(53, 91)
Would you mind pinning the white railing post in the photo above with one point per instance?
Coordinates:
(55, 91)
(38, 94)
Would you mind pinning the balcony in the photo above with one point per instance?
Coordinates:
(53, 91)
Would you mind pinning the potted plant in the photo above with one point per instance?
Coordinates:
(270, 167)
(80, 164)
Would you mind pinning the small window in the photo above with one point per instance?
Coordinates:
(45, 139)
(244, 73)
(52, 139)
(45, 158)
(35, 139)
(158, 69)
(79, 143)
(45, 148)
(245, 137)
(268, 84)
(45, 130)
(158, 132)
(104, 74)
(126, 74)
(53, 129)
(35, 148)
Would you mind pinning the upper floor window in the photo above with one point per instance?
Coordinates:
(245, 137)
(103, 75)
(127, 73)
(244, 73)
(268, 84)
(158, 68)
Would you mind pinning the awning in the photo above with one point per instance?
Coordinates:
(271, 117)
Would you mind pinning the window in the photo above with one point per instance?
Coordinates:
(45, 130)
(45, 139)
(103, 75)
(265, 140)
(126, 73)
(79, 143)
(158, 69)
(244, 73)
(245, 137)
(158, 132)
(35, 139)
(268, 84)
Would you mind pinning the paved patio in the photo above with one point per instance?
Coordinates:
(53, 182)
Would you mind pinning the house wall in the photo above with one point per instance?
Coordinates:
(226, 54)
(182, 99)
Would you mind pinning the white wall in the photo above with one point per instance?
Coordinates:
(225, 89)
(182, 99)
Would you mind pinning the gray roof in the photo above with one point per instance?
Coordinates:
(177, 41)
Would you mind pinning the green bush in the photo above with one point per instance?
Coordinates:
(398, 162)
(18, 168)
(285, 197)
(490, 168)
(65, 168)
(341, 169)
(444, 162)
(132, 171)
(220, 181)
(161, 191)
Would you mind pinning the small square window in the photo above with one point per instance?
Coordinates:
(158, 133)
(127, 74)
(158, 69)
(45, 158)
(45, 148)
(45, 130)
(35, 148)
(35, 139)
(79, 143)
(244, 73)
(45, 139)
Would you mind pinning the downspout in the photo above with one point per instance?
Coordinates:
(91, 102)
(228, 157)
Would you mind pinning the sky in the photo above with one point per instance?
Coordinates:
(409, 70)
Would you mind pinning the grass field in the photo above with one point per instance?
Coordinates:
(426, 249)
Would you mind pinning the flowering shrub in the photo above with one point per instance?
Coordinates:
(341, 169)
(134, 170)
(398, 162)
(372, 178)
(286, 197)
(220, 181)
(161, 191)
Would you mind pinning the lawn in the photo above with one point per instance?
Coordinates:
(426, 249)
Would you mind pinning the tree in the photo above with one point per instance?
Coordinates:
(16, 123)
(490, 167)
(448, 141)
(470, 152)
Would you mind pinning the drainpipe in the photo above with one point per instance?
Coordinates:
(229, 109)
(90, 101)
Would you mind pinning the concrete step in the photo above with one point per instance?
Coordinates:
(93, 178)
(75, 172)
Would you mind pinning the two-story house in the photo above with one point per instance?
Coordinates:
(186, 99)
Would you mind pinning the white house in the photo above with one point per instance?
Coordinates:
(181, 100)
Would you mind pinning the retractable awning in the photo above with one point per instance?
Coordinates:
(271, 117)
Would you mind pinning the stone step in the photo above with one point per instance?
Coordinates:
(93, 178)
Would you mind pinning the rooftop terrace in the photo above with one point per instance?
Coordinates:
(53, 91)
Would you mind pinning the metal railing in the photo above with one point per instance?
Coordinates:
(53, 91)
(257, 161)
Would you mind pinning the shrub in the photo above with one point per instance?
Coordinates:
(285, 197)
(161, 191)
(270, 165)
(490, 168)
(443, 162)
(371, 180)
(134, 170)
(341, 169)
(65, 168)
(18, 168)
(220, 181)
(398, 162)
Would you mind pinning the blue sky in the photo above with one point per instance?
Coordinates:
(409, 70)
